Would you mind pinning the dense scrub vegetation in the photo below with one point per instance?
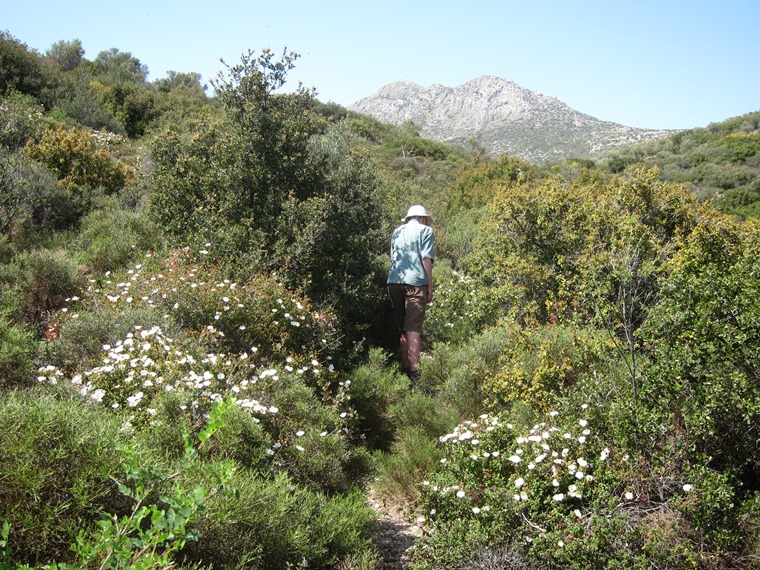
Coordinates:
(720, 162)
(197, 356)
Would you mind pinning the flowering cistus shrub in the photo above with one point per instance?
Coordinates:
(460, 306)
(557, 489)
(253, 342)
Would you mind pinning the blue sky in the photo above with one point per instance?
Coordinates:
(665, 64)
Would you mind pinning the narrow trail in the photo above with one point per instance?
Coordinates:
(394, 535)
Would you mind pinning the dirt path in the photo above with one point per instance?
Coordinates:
(394, 535)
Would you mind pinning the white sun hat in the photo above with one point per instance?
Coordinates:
(416, 211)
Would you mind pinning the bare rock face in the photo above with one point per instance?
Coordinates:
(503, 117)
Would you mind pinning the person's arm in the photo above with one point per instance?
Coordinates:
(427, 263)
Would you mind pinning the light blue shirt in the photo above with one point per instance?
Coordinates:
(410, 244)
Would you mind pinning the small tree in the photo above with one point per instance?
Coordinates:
(67, 55)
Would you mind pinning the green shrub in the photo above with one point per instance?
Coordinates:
(17, 352)
(399, 472)
(703, 343)
(312, 433)
(457, 373)
(460, 306)
(111, 239)
(21, 120)
(31, 197)
(79, 341)
(242, 439)
(7, 250)
(418, 419)
(539, 365)
(432, 416)
(275, 524)
(374, 387)
(45, 280)
(58, 459)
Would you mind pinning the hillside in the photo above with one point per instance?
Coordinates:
(199, 361)
(720, 162)
(503, 117)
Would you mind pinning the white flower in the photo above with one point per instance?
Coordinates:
(629, 496)
(299, 433)
(515, 459)
(519, 482)
(559, 497)
(687, 487)
(460, 494)
(476, 510)
(134, 400)
(583, 423)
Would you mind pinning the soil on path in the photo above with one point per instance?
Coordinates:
(394, 535)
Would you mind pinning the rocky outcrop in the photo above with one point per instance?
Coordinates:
(503, 117)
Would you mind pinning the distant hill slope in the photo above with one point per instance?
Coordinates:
(503, 117)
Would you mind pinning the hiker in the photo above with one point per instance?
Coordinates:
(410, 282)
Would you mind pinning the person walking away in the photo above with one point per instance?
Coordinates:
(410, 282)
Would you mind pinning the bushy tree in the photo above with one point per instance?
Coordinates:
(175, 80)
(78, 160)
(23, 70)
(704, 341)
(132, 104)
(76, 99)
(239, 172)
(115, 67)
(21, 120)
(27, 191)
(570, 249)
(270, 188)
(67, 55)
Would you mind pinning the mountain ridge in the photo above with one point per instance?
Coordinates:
(503, 117)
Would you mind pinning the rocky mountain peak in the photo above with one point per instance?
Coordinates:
(502, 116)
